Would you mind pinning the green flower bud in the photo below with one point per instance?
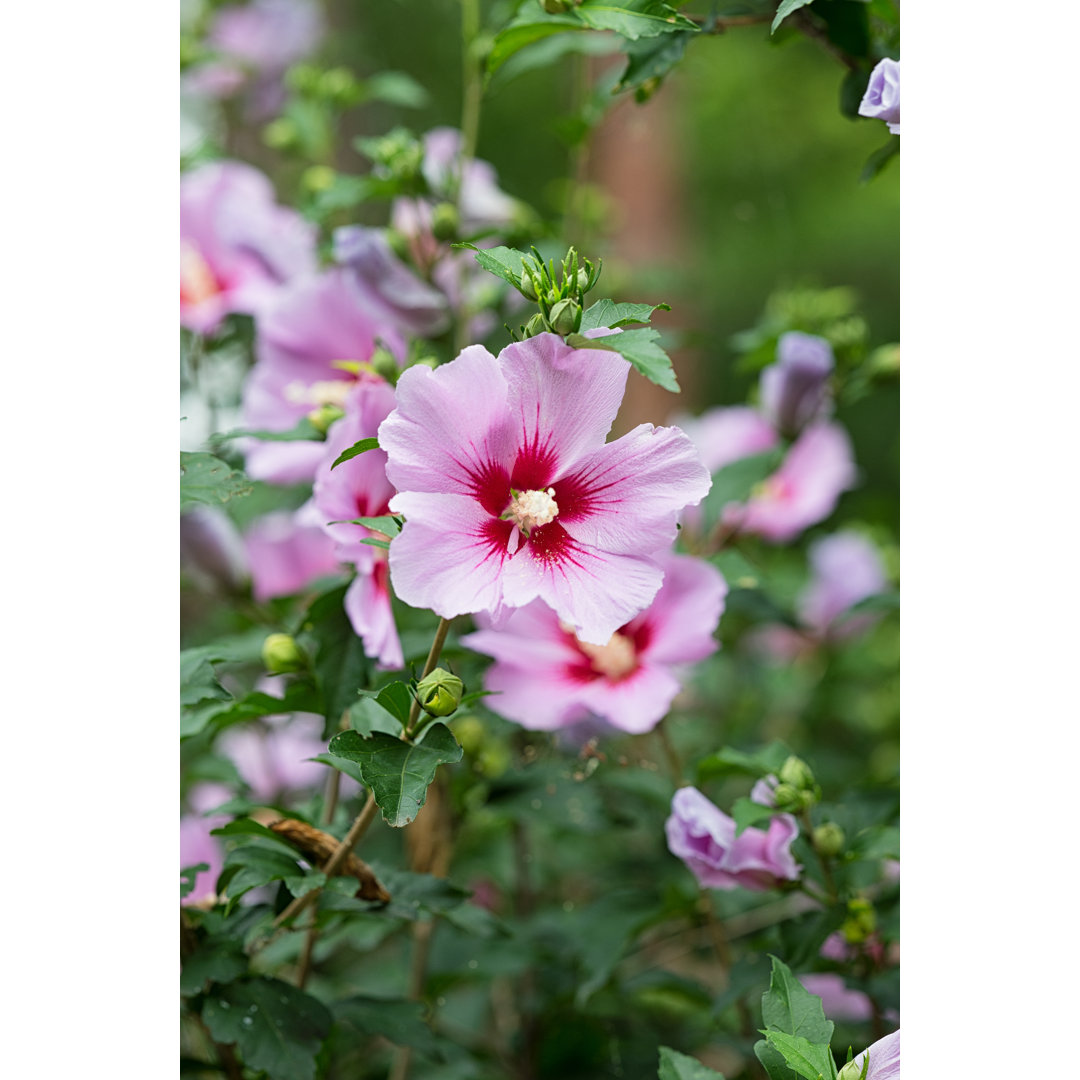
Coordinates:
(853, 1070)
(797, 773)
(281, 134)
(788, 798)
(469, 731)
(861, 921)
(280, 653)
(319, 178)
(829, 838)
(338, 84)
(322, 417)
(582, 281)
(536, 325)
(445, 221)
(384, 364)
(527, 288)
(440, 693)
(565, 316)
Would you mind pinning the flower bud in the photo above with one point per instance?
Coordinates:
(445, 221)
(795, 390)
(854, 1069)
(322, 417)
(384, 364)
(565, 317)
(469, 732)
(318, 178)
(440, 692)
(281, 134)
(536, 325)
(861, 921)
(788, 798)
(829, 839)
(582, 281)
(797, 773)
(280, 653)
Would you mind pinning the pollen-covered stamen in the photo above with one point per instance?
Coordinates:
(322, 392)
(530, 509)
(615, 660)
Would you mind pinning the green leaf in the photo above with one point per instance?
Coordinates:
(396, 88)
(218, 959)
(533, 25)
(304, 431)
(640, 348)
(877, 842)
(633, 19)
(879, 159)
(676, 1066)
(341, 668)
(388, 525)
(847, 25)
(395, 699)
(357, 448)
(371, 541)
(735, 483)
(503, 262)
(251, 827)
(606, 313)
(276, 1027)
(759, 763)
(252, 866)
(187, 878)
(813, 1061)
(349, 768)
(197, 679)
(739, 572)
(397, 772)
(746, 812)
(547, 51)
(788, 1007)
(299, 697)
(397, 1019)
(651, 59)
(785, 9)
(207, 480)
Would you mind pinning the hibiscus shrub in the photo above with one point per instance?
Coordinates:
(518, 739)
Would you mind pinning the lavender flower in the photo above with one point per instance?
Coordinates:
(884, 1057)
(794, 390)
(882, 98)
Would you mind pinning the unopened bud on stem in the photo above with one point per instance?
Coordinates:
(280, 654)
(440, 692)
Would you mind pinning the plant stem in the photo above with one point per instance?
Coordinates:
(429, 667)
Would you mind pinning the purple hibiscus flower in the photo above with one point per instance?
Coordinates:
(882, 98)
(795, 389)
(359, 488)
(511, 494)
(703, 836)
(544, 678)
(237, 245)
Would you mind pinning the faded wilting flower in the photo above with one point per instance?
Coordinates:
(818, 468)
(545, 678)
(511, 494)
(883, 1057)
(795, 389)
(882, 98)
(703, 836)
(358, 488)
(286, 552)
(311, 349)
(237, 245)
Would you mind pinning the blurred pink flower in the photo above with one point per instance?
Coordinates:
(545, 678)
(510, 493)
(306, 346)
(727, 434)
(703, 836)
(884, 1058)
(272, 758)
(838, 1000)
(359, 488)
(211, 549)
(197, 845)
(795, 389)
(237, 245)
(287, 551)
(845, 569)
(818, 468)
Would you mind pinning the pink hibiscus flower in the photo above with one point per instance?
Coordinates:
(511, 494)
(359, 488)
(317, 326)
(545, 678)
(286, 552)
(237, 246)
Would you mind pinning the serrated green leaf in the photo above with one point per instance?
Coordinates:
(299, 697)
(640, 348)
(607, 313)
(349, 768)
(548, 51)
(676, 1066)
(187, 878)
(360, 447)
(790, 1008)
(812, 1061)
(652, 58)
(218, 960)
(388, 525)
(198, 682)
(531, 26)
(304, 431)
(207, 480)
(398, 773)
(395, 698)
(503, 262)
(757, 763)
(276, 1027)
(252, 866)
(397, 1019)
(633, 19)
(785, 9)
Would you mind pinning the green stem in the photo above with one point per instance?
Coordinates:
(429, 667)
